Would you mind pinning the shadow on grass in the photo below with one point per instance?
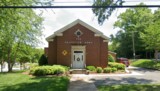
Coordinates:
(81, 85)
(117, 81)
(130, 88)
(39, 84)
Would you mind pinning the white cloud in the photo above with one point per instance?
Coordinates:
(57, 18)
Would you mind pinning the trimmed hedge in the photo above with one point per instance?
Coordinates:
(109, 70)
(99, 70)
(119, 66)
(91, 68)
(48, 70)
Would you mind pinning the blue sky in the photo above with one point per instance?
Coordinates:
(55, 19)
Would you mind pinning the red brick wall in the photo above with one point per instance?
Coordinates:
(52, 52)
(96, 49)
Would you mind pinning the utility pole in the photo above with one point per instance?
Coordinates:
(133, 45)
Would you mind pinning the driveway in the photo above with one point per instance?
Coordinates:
(82, 82)
(138, 76)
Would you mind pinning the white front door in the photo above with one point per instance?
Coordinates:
(78, 58)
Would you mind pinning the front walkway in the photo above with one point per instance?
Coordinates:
(80, 82)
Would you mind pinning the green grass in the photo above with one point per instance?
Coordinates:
(22, 82)
(129, 88)
(146, 63)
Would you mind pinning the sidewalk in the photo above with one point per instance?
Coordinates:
(80, 83)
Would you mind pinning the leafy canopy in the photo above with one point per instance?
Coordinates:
(105, 13)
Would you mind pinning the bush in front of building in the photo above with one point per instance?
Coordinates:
(110, 58)
(91, 68)
(119, 66)
(109, 70)
(43, 60)
(48, 70)
(114, 70)
(99, 70)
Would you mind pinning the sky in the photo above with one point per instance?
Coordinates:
(55, 19)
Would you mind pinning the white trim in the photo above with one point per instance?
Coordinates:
(51, 40)
(78, 48)
(59, 34)
(97, 35)
(105, 40)
(60, 31)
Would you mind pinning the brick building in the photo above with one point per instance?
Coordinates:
(78, 45)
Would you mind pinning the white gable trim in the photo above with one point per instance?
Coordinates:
(60, 31)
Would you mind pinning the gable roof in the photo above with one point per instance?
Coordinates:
(78, 21)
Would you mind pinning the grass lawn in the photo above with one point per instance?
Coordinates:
(146, 63)
(129, 88)
(22, 82)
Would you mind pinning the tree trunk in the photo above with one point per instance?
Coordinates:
(9, 61)
(156, 55)
(20, 66)
(1, 67)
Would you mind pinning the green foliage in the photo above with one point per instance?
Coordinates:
(43, 60)
(145, 63)
(91, 68)
(104, 13)
(151, 34)
(132, 23)
(99, 70)
(32, 65)
(21, 82)
(118, 66)
(21, 27)
(48, 70)
(110, 58)
(130, 87)
(114, 69)
(109, 70)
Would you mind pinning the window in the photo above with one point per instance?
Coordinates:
(78, 33)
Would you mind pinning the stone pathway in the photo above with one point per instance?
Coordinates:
(80, 83)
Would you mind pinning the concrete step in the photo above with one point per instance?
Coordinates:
(78, 71)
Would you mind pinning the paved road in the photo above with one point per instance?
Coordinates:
(145, 76)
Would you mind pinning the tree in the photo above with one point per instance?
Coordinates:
(105, 13)
(151, 35)
(17, 27)
(132, 21)
(43, 60)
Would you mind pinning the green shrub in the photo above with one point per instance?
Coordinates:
(32, 65)
(91, 68)
(99, 70)
(110, 58)
(43, 60)
(59, 69)
(48, 70)
(114, 69)
(40, 71)
(107, 70)
(119, 66)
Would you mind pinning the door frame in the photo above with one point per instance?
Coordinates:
(78, 48)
